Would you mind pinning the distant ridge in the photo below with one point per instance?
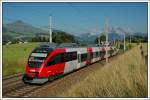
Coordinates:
(24, 31)
(20, 29)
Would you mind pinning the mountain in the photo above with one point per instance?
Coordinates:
(20, 27)
(19, 30)
(140, 34)
(88, 37)
(111, 36)
(114, 36)
(92, 37)
(25, 32)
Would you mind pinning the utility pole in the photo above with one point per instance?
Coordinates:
(106, 33)
(50, 29)
(130, 38)
(99, 40)
(124, 41)
(117, 44)
(129, 32)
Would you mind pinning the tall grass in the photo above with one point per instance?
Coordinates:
(145, 49)
(124, 77)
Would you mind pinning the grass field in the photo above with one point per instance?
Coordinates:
(124, 77)
(15, 57)
(145, 48)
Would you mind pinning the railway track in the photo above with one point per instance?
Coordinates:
(14, 87)
(11, 82)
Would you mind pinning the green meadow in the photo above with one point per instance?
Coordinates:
(14, 57)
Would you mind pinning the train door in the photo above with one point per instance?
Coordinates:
(89, 56)
(82, 57)
(71, 63)
(102, 53)
(95, 54)
(79, 60)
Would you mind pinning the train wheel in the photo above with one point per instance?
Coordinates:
(51, 78)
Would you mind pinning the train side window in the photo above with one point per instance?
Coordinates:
(70, 56)
(91, 55)
(97, 54)
(83, 57)
(102, 53)
(54, 60)
(88, 56)
(63, 58)
(94, 54)
(66, 57)
(74, 55)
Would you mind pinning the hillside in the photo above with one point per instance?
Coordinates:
(21, 27)
(124, 77)
(20, 30)
(92, 37)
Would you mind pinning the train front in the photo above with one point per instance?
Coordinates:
(33, 73)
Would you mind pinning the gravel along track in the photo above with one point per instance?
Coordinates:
(14, 87)
(12, 76)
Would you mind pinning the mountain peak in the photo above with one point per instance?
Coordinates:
(21, 27)
(18, 22)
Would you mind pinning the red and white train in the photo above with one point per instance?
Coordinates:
(50, 60)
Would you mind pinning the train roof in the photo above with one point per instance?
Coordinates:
(66, 45)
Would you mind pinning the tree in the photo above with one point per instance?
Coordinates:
(63, 37)
(57, 37)
(102, 38)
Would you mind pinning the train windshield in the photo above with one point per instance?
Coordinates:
(38, 56)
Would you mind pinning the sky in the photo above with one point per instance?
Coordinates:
(78, 18)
